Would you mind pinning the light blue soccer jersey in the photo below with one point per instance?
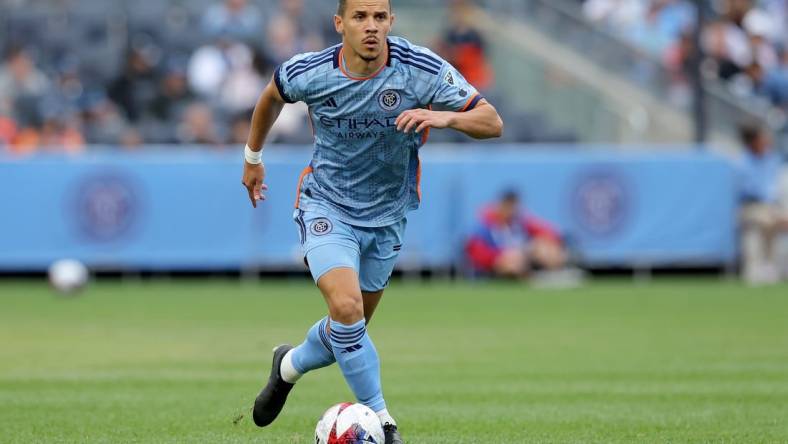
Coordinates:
(363, 170)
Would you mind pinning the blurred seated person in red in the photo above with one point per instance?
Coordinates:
(510, 242)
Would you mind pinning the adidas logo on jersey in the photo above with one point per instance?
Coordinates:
(331, 103)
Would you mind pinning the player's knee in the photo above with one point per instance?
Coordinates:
(347, 309)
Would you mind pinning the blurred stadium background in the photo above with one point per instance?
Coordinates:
(650, 135)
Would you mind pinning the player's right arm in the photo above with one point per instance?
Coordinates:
(266, 111)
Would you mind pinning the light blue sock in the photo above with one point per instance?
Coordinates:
(315, 352)
(358, 359)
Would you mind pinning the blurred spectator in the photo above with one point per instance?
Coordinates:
(8, 127)
(234, 19)
(760, 30)
(103, 121)
(314, 26)
(198, 126)
(615, 14)
(173, 94)
(20, 77)
(762, 216)
(662, 24)
(224, 73)
(775, 86)
(463, 45)
(512, 243)
(678, 60)
(136, 88)
(131, 139)
(742, 42)
(283, 40)
(727, 44)
(23, 86)
(653, 25)
(62, 135)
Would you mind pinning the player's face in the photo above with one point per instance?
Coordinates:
(365, 26)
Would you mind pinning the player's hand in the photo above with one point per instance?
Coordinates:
(421, 119)
(253, 181)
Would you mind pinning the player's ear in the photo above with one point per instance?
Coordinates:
(338, 24)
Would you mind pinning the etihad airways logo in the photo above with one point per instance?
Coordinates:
(355, 123)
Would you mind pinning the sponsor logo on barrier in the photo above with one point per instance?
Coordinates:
(601, 202)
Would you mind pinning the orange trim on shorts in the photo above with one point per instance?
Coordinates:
(307, 170)
(468, 103)
(342, 68)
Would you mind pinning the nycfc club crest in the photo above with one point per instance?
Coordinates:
(105, 207)
(602, 202)
(321, 227)
(389, 100)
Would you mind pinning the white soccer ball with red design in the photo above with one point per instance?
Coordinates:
(348, 423)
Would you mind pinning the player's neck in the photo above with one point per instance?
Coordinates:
(357, 66)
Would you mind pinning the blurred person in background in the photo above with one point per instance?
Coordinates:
(136, 88)
(512, 243)
(661, 25)
(760, 31)
(224, 74)
(283, 40)
(198, 126)
(775, 86)
(235, 19)
(763, 216)
(312, 27)
(8, 126)
(20, 78)
(61, 133)
(615, 14)
(652, 25)
(679, 61)
(22, 89)
(173, 95)
(104, 123)
(463, 45)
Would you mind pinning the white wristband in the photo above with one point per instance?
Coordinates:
(253, 157)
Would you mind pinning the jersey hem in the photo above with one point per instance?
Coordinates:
(328, 210)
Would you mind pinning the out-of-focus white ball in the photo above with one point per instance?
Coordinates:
(68, 276)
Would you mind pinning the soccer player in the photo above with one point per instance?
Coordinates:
(370, 105)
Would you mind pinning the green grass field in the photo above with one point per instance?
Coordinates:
(177, 361)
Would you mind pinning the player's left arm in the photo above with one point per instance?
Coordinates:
(482, 122)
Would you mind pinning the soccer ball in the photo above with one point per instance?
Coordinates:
(68, 276)
(348, 423)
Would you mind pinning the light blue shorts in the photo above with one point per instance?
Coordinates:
(329, 243)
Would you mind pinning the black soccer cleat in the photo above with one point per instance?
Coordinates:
(270, 401)
(392, 435)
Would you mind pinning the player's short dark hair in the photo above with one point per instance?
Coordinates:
(342, 5)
